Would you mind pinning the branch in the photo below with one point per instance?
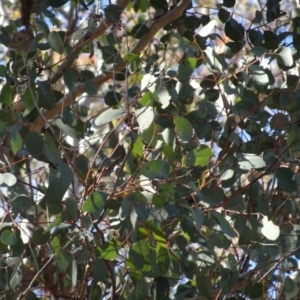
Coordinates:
(86, 39)
(99, 80)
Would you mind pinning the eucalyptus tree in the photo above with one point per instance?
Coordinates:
(149, 149)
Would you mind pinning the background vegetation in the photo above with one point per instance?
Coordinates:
(149, 149)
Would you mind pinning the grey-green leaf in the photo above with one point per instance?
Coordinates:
(156, 169)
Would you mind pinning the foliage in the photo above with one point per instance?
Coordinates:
(150, 150)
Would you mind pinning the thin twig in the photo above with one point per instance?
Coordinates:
(99, 80)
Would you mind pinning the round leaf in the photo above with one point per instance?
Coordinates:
(208, 28)
(40, 236)
(95, 202)
(285, 179)
(234, 30)
(139, 30)
(269, 229)
(20, 203)
(8, 179)
(183, 129)
(198, 157)
(156, 169)
(284, 58)
(9, 237)
(145, 117)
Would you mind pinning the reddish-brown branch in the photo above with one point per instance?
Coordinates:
(99, 80)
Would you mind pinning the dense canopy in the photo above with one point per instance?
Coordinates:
(149, 149)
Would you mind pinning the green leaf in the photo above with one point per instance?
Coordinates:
(9, 237)
(40, 236)
(225, 225)
(71, 77)
(124, 210)
(214, 60)
(209, 196)
(168, 136)
(112, 98)
(229, 3)
(186, 67)
(159, 4)
(91, 87)
(3, 72)
(183, 129)
(186, 94)
(112, 13)
(163, 260)
(52, 152)
(198, 157)
(56, 42)
(258, 51)
(192, 22)
(137, 259)
(289, 285)
(292, 81)
(70, 209)
(20, 203)
(138, 147)
(17, 249)
(145, 117)
(234, 30)
(57, 3)
(284, 58)
(271, 40)
(109, 115)
(130, 57)
(66, 129)
(285, 179)
(223, 15)
(260, 78)
(95, 202)
(156, 169)
(59, 182)
(138, 31)
(197, 216)
(110, 54)
(287, 243)
(142, 247)
(15, 139)
(34, 143)
(160, 288)
(109, 250)
(256, 38)
(62, 258)
(204, 285)
(208, 81)
(6, 96)
(100, 272)
(254, 290)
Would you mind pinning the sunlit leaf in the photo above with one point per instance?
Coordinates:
(269, 229)
(8, 179)
(145, 117)
(200, 156)
(284, 58)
